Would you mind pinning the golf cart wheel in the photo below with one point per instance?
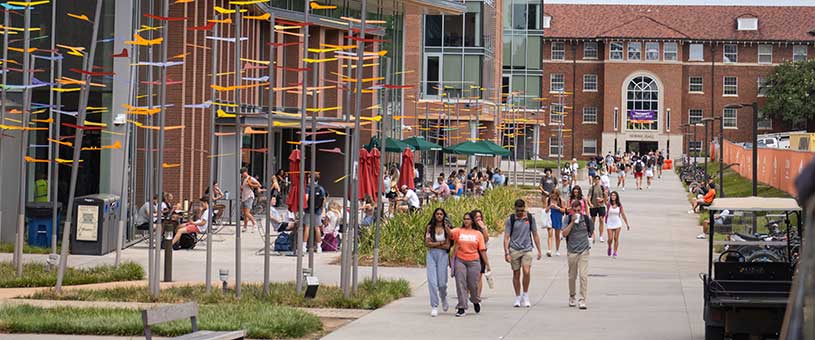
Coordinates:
(714, 333)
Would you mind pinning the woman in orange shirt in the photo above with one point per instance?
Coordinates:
(470, 247)
(705, 201)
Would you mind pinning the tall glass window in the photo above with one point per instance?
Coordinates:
(433, 30)
(472, 24)
(615, 51)
(642, 104)
(453, 30)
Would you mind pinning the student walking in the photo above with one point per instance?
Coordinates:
(519, 232)
(466, 265)
(247, 194)
(650, 164)
(556, 210)
(437, 241)
(577, 245)
(597, 204)
(621, 170)
(548, 186)
(479, 225)
(639, 167)
(660, 164)
(614, 222)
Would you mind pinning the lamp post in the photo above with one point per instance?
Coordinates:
(705, 121)
(616, 121)
(754, 107)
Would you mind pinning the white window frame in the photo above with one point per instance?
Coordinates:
(670, 51)
(587, 142)
(634, 47)
(694, 146)
(692, 113)
(732, 56)
(562, 82)
(559, 53)
(547, 21)
(765, 53)
(725, 86)
(701, 50)
(701, 84)
(761, 82)
(440, 82)
(730, 122)
(765, 123)
(587, 81)
(590, 46)
(555, 115)
(747, 24)
(612, 50)
(587, 112)
(649, 49)
(553, 143)
(799, 53)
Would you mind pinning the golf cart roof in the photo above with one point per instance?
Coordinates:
(753, 203)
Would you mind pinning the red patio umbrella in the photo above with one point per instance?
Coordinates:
(406, 171)
(377, 176)
(292, 200)
(363, 172)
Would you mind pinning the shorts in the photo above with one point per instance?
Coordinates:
(248, 204)
(312, 220)
(519, 258)
(638, 174)
(192, 228)
(649, 173)
(412, 209)
(598, 211)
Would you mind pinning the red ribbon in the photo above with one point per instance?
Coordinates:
(82, 127)
(92, 74)
(157, 17)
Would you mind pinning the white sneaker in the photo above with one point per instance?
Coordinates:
(517, 302)
(602, 240)
(701, 236)
(548, 253)
(591, 239)
(319, 248)
(434, 312)
(557, 253)
(623, 189)
(690, 211)
(582, 304)
(526, 303)
(572, 301)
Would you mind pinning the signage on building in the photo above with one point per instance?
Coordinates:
(642, 116)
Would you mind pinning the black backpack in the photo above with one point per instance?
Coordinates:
(283, 242)
(319, 198)
(187, 241)
(512, 220)
(638, 166)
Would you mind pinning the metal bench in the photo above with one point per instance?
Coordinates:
(177, 312)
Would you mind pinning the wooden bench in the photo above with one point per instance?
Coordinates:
(177, 312)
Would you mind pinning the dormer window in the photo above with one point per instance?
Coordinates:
(547, 21)
(748, 24)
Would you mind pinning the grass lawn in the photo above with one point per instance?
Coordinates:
(550, 163)
(9, 248)
(367, 297)
(259, 320)
(35, 275)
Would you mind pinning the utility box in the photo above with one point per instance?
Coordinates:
(40, 227)
(94, 228)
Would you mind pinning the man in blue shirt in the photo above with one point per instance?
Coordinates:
(497, 178)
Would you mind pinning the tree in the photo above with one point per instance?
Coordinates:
(790, 91)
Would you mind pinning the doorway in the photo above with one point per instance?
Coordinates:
(642, 147)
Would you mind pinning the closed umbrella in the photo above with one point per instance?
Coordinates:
(406, 171)
(294, 175)
(375, 170)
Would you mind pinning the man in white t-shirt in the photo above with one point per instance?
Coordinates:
(410, 197)
(199, 223)
(248, 186)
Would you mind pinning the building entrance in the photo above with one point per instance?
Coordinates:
(643, 147)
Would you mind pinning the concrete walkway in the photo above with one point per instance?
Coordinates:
(651, 291)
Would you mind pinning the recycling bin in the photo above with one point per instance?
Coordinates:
(94, 227)
(39, 223)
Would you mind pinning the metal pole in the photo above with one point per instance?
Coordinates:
(6, 25)
(150, 169)
(312, 238)
(302, 179)
(212, 152)
(707, 154)
(270, 156)
(55, 169)
(345, 273)
(165, 8)
(355, 148)
(23, 180)
(380, 182)
(124, 187)
(721, 156)
(83, 106)
(238, 146)
(754, 106)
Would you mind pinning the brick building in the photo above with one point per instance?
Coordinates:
(634, 75)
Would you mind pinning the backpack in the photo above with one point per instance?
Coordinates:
(187, 241)
(638, 166)
(319, 198)
(283, 242)
(512, 221)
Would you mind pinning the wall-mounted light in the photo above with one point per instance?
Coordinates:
(668, 120)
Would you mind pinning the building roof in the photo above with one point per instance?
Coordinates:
(789, 23)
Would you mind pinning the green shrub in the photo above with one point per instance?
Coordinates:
(6, 247)
(368, 296)
(402, 236)
(35, 275)
(261, 321)
(550, 163)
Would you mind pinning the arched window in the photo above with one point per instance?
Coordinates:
(642, 104)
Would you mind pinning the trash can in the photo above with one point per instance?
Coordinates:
(39, 223)
(94, 228)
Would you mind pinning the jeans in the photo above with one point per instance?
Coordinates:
(437, 261)
(579, 265)
(467, 281)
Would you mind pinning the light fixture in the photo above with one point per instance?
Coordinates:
(223, 274)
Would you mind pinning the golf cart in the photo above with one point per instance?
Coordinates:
(752, 254)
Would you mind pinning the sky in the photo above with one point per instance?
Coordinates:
(690, 2)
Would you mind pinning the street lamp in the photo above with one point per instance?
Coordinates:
(705, 121)
(754, 107)
(616, 122)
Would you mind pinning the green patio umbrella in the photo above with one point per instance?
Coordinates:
(471, 149)
(421, 144)
(499, 150)
(395, 145)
